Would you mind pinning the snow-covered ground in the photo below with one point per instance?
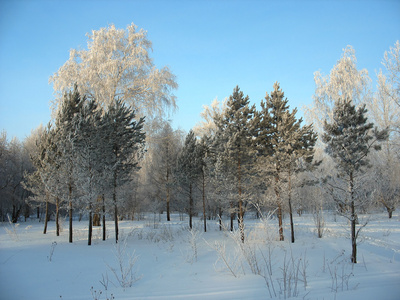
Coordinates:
(169, 262)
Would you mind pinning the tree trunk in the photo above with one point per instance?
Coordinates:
(353, 221)
(240, 216)
(70, 221)
(57, 216)
(232, 216)
(220, 218)
(90, 226)
(281, 237)
(116, 221)
(290, 207)
(204, 203)
(278, 198)
(190, 206)
(46, 216)
(168, 198)
(70, 212)
(104, 219)
(115, 208)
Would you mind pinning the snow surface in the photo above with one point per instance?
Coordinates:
(38, 266)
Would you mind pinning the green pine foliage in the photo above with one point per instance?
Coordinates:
(281, 142)
(349, 140)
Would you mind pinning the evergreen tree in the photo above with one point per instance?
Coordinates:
(189, 169)
(349, 139)
(87, 146)
(125, 137)
(234, 140)
(65, 125)
(281, 142)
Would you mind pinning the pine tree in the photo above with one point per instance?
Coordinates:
(189, 169)
(88, 158)
(281, 141)
(234, 140)
(65, 125)
(125, 137)
(349, 139)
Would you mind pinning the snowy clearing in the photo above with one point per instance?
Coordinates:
(164, 260)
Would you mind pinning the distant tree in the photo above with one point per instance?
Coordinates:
(391, 62)
(14, 163)
(207, 126)
(161, 161)
(349, 140)
(384, 110)
(344, 81)
(189, 168)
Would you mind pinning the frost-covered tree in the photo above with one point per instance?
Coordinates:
(189, 168)
(117, 65)
(88, 150)
(391, 62)
(65, 123)
(384, 110)
(344, 81)
(349, 139)
(125, 137)
(161, 162)
(281, 142)
(14, 162)
(207, 126)
(234, 141)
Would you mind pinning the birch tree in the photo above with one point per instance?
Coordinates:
(117, 65)
(344, 81)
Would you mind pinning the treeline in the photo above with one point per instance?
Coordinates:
(100, 159)
(85, 159)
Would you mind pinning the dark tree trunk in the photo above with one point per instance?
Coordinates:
(241, 214)
(204, 203)
(70, 221)
(104, 218)
(115, 208)
(46, 216)
(353, 221)
(70, 212)
(168, 198)
(190, 206)
(57, 216)
(290, 208)
(90, 226)
(232, 216)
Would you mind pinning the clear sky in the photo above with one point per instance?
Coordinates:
(211, 46)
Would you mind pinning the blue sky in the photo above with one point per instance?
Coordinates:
(211, 46)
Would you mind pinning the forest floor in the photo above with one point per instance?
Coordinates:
(164, 260)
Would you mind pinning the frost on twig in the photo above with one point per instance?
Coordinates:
(124, 272)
